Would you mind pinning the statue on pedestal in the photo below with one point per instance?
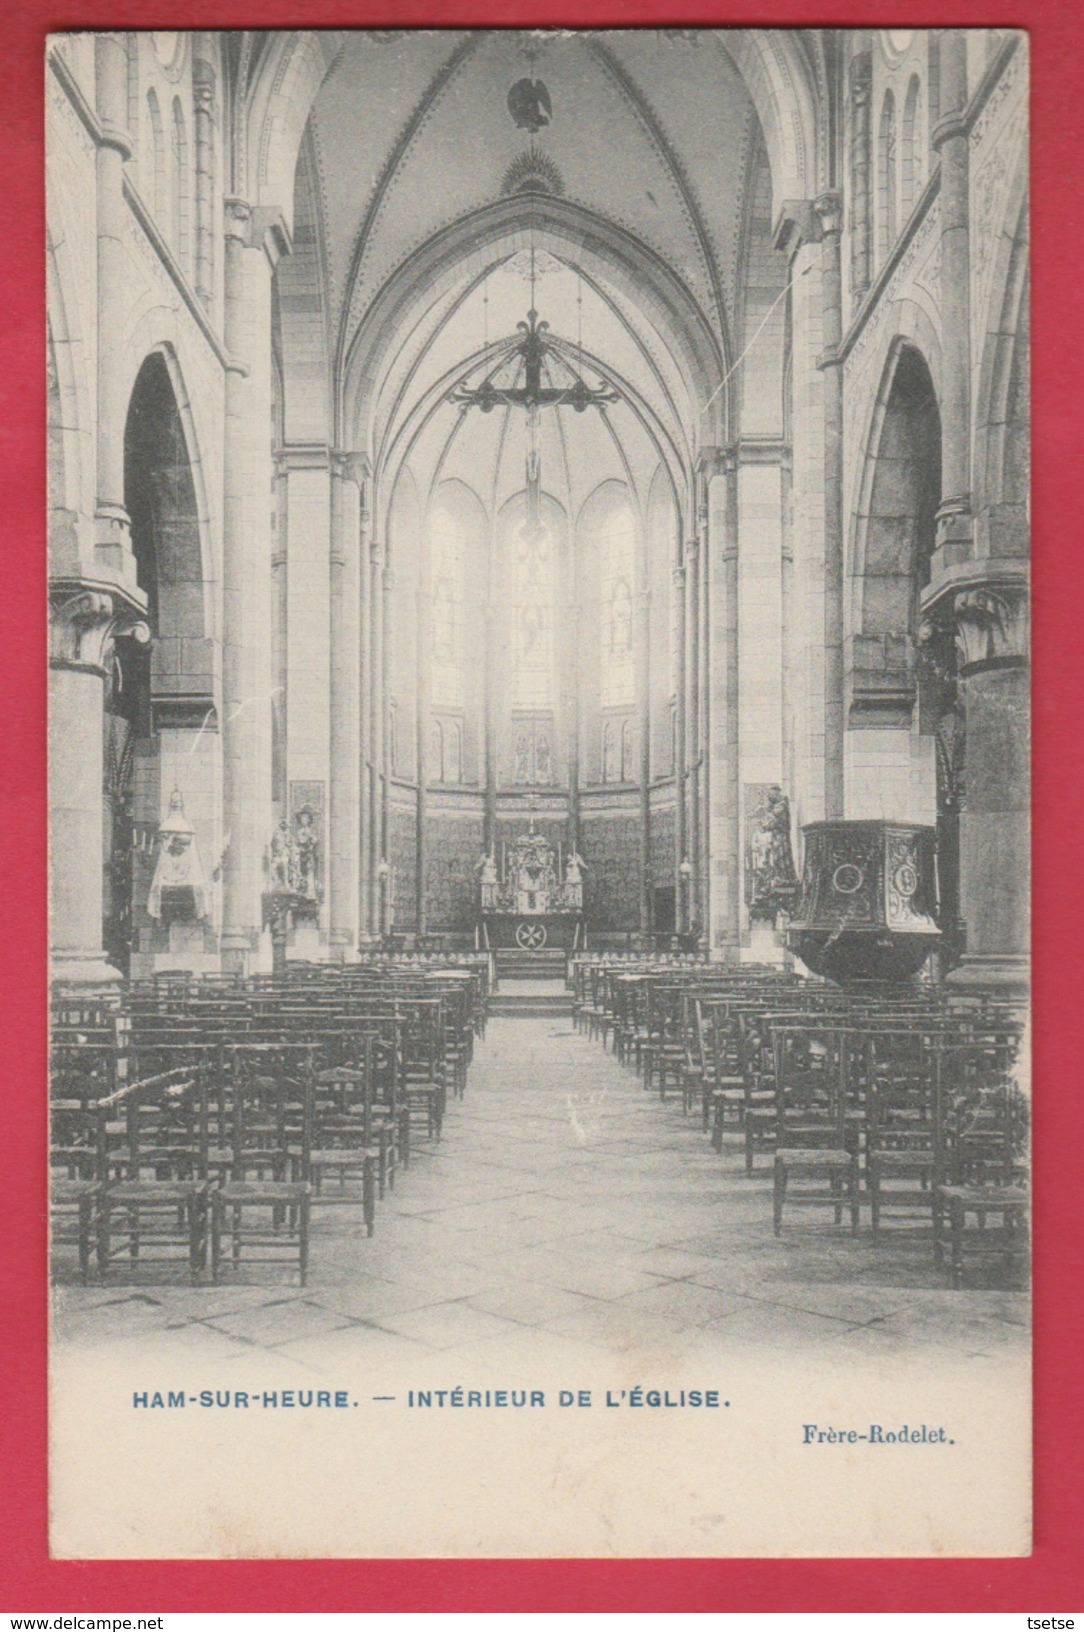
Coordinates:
(488, 883)
(573, 886)
(770, 879)
(178, 889)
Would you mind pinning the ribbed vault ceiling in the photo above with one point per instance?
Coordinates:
(426, 202)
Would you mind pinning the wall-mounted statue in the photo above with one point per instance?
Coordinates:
(771, 882)
(573, 885)
(489, 883)
(178, 889)
(307, 840)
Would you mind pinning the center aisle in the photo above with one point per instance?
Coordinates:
(566, 1214)
(566, 1206)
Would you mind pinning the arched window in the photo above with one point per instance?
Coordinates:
(445, 577)
(627, 772)
(911, 167)
(181, 190)
(453, 751)
(611, 752)
(617, 550)
(157, 146)
(393, 736)
(436, 751)
(886, 178)
(533, 584)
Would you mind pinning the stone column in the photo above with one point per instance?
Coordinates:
(424, 625)
(681, 748)
(704, 735)
(489, 818)
(816, 557)
(343, 791)
(575, 723)
(643, 712)
(994, 819)
(364, 769)
(111, 531)
(692, 642)
(377, 705)
(721, 565)
(489, 709)
(254, 241)
(950, 138)
(388, 584)
(828, 213)
(860, 77)
(203, 96)
(84, 628)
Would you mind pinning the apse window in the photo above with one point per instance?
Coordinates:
(445, 561)
(534, 584)
(618, 554)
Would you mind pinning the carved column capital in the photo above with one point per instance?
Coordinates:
(85, 624)
(713, 461)
(236, 217)
(992, 627)
(203, 86)
(860, 78)
(257, 227)
(350, 467)
(828, 209)
(796, 224)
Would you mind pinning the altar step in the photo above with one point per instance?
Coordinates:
(531, 998)
(514, 964)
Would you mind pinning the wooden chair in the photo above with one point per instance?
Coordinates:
(900, 1151)
(981, 1121)
(75, 1180)
(260, 1205)
(725, 1087)
(422, 1061)
(154, 1174)
(342, 1141)
(817, 1142)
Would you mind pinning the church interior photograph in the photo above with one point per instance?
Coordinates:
(538, 695)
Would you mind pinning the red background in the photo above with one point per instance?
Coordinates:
(1052, 1580)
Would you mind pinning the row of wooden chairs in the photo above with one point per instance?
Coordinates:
(213, 1117)
(895, 1098)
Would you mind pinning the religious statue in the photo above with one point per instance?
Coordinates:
(489, 883)
(178, 883)
(283, 867)
(573, 888)
(543, 764)
(523, 758)
(771, 881)
(307, 841)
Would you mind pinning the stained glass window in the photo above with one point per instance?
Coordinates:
(618, 562)
(445, 558)
(533, 583)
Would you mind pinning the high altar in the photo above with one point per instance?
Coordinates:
(532, 897)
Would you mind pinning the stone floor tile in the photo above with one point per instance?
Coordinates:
(449, 1325)
(278, 1323)
(565, 1214)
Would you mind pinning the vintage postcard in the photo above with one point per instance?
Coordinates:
(539, 780)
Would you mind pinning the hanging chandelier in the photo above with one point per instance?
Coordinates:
(533, 357)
